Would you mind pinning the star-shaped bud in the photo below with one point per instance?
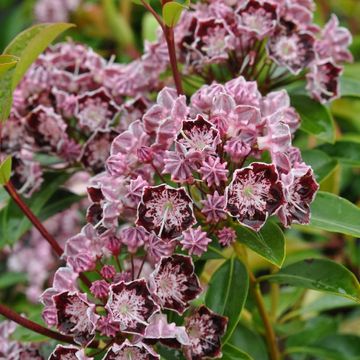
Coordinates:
(174, 283)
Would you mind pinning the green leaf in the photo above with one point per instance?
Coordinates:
(249, 342)
(7, 62)
(321, 354)
(316, 119)
(349, 87)
(13, 223)
(149, 28)
(26, 46)
(12, 278)
(172, 11)
(347, 152)
(227, 292)
(29, 44)
(347, 345)
(322, 164)
(230, 352)
(269, 242)
(319, 274)
(332, 213)
(5, 170)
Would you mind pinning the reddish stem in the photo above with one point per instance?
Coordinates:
(34, 220)
(39, 226)
(12, 315)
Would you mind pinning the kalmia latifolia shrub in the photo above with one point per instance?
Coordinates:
(171, 175)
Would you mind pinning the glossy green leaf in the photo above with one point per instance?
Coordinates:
(316, 119)
(322, 164)
(347, 152)
(230, 352)
(5, 170)
(319, 274)
(349, 87)
(171, 12)
(347, 345)
(319, 353)
(27, 46)
(269, 242)
(7, 62)
(332, 213)
(227, 292)
(248, 341)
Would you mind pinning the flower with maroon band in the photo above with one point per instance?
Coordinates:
(205, 329)
(323, 81)
(127, 350)
(254, 193)
(198, 135)
(214, 207)
(174, 283)
(300, 189)
(95, 110)
(130, 305)
(258, 18)
(75, 316)
(292, 49)
(195, 241)
(68, 353)
(165, 211)
(213, 171)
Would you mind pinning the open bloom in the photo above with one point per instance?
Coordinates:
(131, 306)
(127, 350)
(254, 193)
(205, 329)
(174, 283)
(165, 211)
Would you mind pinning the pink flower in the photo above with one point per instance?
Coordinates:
(226, 236)
(257, 18)
(76, 316)
(157, 247)
(214, 208)
(213, 171)
(165, 211)
(127, 350)
(68, 352)
(198, 135)
(291, 48)
(254, 193)
(195, 241)
(130, 305)
(174, 283)
(323, 81)
(205, 329)
(300, 189)
(334, 42)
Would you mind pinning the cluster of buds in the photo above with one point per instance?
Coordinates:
(71, 105)
(273, 42)
(182, 177)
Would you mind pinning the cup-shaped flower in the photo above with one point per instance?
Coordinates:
(205, 329)
(131, 306)
(127, 350)
(165, 211)
(254, 193)
(173, 283)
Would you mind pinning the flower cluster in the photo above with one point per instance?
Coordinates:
(181, 177)
(274, 42)
(55, 10)
(71, 105)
